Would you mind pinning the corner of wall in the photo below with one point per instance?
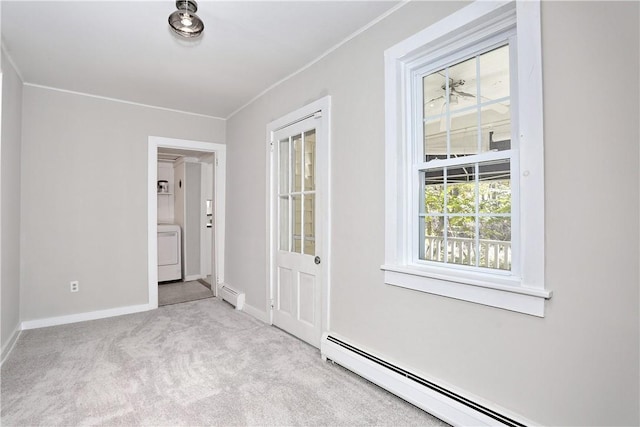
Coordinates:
(7, 348)
(10, 214)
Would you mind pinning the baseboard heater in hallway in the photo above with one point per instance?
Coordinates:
(445, 404)
(232, 296)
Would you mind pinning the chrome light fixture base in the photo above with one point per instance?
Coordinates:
(184, 21)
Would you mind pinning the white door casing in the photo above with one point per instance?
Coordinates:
(299, 221)
(219, 187)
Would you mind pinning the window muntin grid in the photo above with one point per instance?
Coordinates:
(296, 192)
(464, 172)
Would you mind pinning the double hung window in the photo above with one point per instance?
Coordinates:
(465, 161)
(464, 172)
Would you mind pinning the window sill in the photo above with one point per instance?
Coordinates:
(501, 292)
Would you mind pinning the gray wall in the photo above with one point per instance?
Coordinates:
(10, 193)
(579, 364)
(84, 198)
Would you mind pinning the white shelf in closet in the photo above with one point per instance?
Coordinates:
(165, 194)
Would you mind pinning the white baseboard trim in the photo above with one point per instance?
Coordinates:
(8, 347)
(442, 401)
(261, 315)
(82, 317)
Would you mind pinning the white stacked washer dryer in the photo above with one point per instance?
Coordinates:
(169, 255)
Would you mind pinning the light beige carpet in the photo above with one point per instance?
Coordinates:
(193, 364)
(174, 293)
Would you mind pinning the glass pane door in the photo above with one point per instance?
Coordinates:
(297, 193)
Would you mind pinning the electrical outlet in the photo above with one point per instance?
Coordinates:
(74, 286)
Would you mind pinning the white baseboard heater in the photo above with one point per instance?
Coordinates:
(445, 404)
(232, 296)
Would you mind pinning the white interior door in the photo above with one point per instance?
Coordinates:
(298, 273)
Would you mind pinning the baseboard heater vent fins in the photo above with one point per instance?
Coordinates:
(232, 296)
(437, 400)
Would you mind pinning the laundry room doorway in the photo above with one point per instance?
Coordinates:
(186, 193)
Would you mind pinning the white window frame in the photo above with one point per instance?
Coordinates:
(522, 289)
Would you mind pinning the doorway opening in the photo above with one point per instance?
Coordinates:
(185, 220)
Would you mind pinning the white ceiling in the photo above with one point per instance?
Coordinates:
(125, 50)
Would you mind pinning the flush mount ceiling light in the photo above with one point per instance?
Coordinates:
(184, 21)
